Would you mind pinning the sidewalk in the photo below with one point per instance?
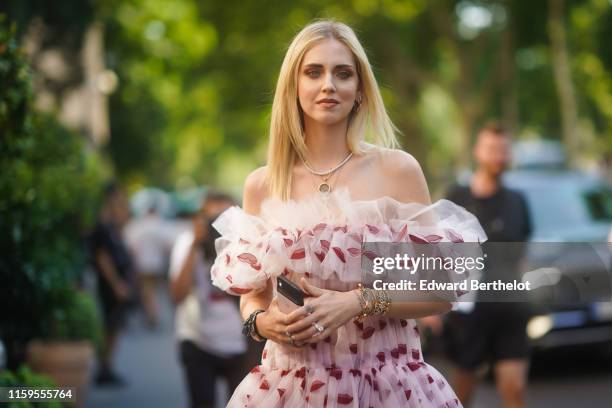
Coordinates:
(148, 361)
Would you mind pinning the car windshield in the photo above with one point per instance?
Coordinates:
(556, 205)
(599, 204)
(552, 206)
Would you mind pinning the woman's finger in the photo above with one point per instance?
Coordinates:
(317, 332)
(305, 334)
(321, 335)
(311, 289)
(299, 314)
(291, 342)
(281, 337)
(303, 324)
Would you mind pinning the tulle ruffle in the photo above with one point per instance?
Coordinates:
(374, 363)
(385, 386)
(322, 236)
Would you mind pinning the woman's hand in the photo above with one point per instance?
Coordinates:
(272, 324)
(326, 311)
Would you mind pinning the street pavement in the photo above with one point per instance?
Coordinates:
(560, 379)
(148, 361)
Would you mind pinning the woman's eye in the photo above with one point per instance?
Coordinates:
(313, 73)
(344, 74)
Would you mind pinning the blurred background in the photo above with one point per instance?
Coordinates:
(171, 98)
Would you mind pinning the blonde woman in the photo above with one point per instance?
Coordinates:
(323, 193)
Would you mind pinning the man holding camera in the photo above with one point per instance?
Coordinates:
(208, 322)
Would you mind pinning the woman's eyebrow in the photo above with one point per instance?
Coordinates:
(339, 66)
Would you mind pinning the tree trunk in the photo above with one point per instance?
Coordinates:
(563, 75)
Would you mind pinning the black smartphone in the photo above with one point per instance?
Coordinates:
(290, 290)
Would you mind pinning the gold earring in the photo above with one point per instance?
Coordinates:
(357, 104)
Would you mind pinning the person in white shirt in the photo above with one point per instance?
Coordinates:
(208, 322)
(150, 239)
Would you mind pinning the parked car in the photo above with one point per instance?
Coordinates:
(569, 207)
(565, 206)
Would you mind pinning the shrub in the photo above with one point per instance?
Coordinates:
(49, 183)
(24, 377)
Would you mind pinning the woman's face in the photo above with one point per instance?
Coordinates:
(327, 83)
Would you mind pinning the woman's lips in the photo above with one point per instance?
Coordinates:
(328, 103)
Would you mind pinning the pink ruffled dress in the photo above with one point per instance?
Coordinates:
(375, 363)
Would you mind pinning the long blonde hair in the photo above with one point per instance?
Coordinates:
(287, 137)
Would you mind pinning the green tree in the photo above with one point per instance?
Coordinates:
(48, 195)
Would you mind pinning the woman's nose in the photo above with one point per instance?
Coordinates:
(328, 84)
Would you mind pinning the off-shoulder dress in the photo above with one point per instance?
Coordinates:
(374, 363)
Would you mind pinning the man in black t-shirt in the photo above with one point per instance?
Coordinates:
(113, 265)
(492, 332)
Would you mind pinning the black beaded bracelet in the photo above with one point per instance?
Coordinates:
(249, 328)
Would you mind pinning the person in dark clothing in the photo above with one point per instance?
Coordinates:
(491, 332)
(113, 266)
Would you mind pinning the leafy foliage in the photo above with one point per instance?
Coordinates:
(48, 192)
(197, 78)
(16, 90)
(24, 377)
(72, 316)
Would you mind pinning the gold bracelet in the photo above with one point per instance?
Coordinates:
(373, 302)
(378, 307)
(370, 301)
(384, 302)
(366, 301)
(362, 301)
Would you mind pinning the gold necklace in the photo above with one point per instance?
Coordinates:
(328, 183)
(325, 187)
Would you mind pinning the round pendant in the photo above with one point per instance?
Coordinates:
(324, 187)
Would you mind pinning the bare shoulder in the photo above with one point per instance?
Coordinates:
(404, 176)
(255, 190)
(394, 163)
(400, 163)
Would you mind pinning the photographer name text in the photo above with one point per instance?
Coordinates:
(464, 286)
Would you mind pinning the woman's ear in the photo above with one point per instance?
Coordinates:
(357, 103)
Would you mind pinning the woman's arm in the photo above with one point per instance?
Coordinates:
(272, 323)
(252, 198)
(418, 309)
(255, 301)
(408, 185)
